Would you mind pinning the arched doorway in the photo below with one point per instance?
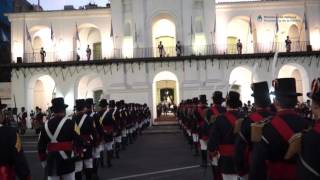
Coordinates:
(242, 77)
(298, 72)
(164, 30)
(166, 94)
(41, 38)
(291, 25)
(89, 34)
(43, 90)
(239, 28)
(89, 86)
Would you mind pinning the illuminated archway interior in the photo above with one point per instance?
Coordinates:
(89, 35)
(165, 87)
(164, 30)
(43, 92)
(239, 28)
(242, 77)
(293, 71)
(90, 86)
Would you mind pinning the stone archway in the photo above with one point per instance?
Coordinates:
(164, 30)
(242, 77)
(41, 91)
(89, 34)
(165, 90)
(239, 28)
(89, 86)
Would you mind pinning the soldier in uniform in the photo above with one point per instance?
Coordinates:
(243, 143)
(277, 134)
(194, 125)
(117, 128)
(22, 120)
(12, 160)
(103, 104)
(56, 143)
(98, 132)
(108, 124)
(222, 138)
(84, 127)
(215, 110)
(309, 159)
(203, 128)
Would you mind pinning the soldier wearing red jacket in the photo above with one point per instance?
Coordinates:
(309, 159)
(243, 143)
(223, 136)
(215, 110)
(108, 124)
(12, 160)
(269, 156)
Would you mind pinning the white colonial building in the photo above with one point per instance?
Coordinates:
(124, 40)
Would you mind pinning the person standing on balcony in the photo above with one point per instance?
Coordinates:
(178, 48)
(43, 54)
(88, 53)
(239, 47)
(161, 49)
(288, 44)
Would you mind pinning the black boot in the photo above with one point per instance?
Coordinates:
(117, 150)
(95, 169)
(123, 143)
(78, 175)
(130, 138)
(101, 159)
(88, 173)
(109, 157)
(196, 150)
(204, 158)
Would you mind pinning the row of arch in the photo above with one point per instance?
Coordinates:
(164, 28)
(42, 88)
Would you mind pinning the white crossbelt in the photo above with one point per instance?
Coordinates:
(307, 166)
(54, 137)
(82, 121)
(103, 115)
(92, 114)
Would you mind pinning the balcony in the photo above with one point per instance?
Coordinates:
(170, 52)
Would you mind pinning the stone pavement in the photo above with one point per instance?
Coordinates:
(155, 155)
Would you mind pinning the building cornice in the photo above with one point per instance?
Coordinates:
(98, 12)
(254, 5)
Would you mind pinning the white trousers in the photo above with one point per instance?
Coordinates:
(118, 139)
(108, 146)
(229, 177)
(195, 137)
(70, 176)
(203, 144)
(84, 164)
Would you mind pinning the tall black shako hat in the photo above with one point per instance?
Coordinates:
(103, 103)
(203, 99)
(58, 105)
(217, 97)
(285, 87)
(89, 102)
(80, 104)
(2, 106)
(233, 100)
(112, 103)
(315, 90)
(261, 93)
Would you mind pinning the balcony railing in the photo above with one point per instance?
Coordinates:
(252, 48)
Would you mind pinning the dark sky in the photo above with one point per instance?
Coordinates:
(59, 4)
